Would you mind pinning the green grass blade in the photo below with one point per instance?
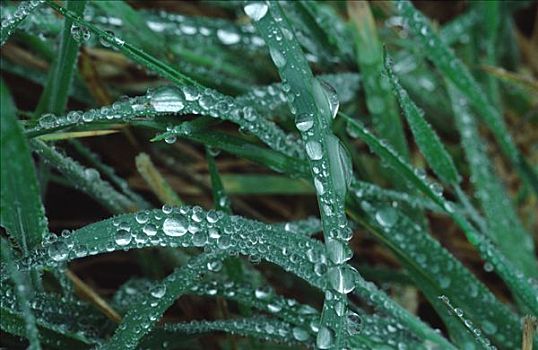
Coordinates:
(514, 278)
(454, 70)
(54, 96)
(22, 290)
(22, 213)
(130, 51)
(86, 179)
(178, 101)
(109, 172)
(314, 108)
(141, 318)
(435, 271)
(9, 24)
(475, 332)
(380, 103)
(426, 138)
(158, 184)
(505, 228)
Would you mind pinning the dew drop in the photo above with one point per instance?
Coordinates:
(325, 338)
(386, 217)
(167, 99)
(149, 230)
(338, 251)
(300, 334)
(304, 121)
(313, 150)
(228, 37)
(158, 291)
(58, 251)
(256, 10)
(341, 279)
(122, 237)
(278, 58)
(175, 226)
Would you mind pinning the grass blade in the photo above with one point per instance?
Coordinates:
(22, 289)
(314, 107)
(54, 96)
(504, 226)
(445, 60)
(22, 213)
(156, 181)
(11, 23)
(426, 138)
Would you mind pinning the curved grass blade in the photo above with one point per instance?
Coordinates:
(514, 278)
(130, 51)
(109, 172)
(215, 231)
(454, 70)
(22, 213)
(427, 140)
(141, 317)
(381, 104)
(504, 226)
(54, 96)
(315, 106)
(86, 179)
(177, 101)
(23, 298)
(11, 23)
(271, 99)
(475, 332)
(435, 271)
(258, 327)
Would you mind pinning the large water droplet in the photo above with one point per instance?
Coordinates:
(325, 338)
(167, 99)
(58, 251)
(338, 251)
(354, 323)
(386, 217)
(158, 291)
(340, 165)
(332, 97)
(228, 37)
(304, 121)
(300, 334)
(123, 237)
(342, 279)
(313, 150)
(175, 226)
(278, 58)
(256, 10)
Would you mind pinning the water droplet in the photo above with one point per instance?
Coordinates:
(80, 33)
(142, 217)
(175, 226)
(304, 121)
(191, 93)
(341, 279)
(47, 120)
(313, 150)
(256, 10)
(325, 338)
(123, 237)
(167, 99)
(262, 293)
(300, 334)
(332, 97)
(149, 230)
(58, 251)
(354, 323)
(158, 291)
(214, 266)
(340, 165)
(386, 217)
(278, 58)
(228, 37)
(338, 251)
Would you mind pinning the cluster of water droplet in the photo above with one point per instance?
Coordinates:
(475, 331)
(11, 21)
(86, 179)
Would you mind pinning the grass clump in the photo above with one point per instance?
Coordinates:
(187, 143)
